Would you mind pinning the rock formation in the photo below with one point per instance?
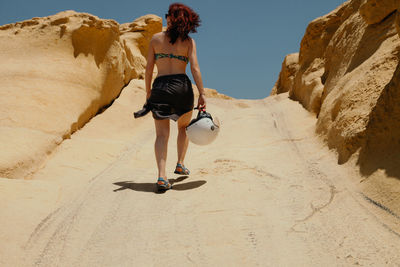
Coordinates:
(343, 74)
(374, 11)
(57, 73)
(349, 77)
(290, 66)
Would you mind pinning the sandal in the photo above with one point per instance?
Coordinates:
(163, 184)
(180, 169)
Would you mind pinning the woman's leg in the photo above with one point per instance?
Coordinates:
(161, 145)
(183, 141)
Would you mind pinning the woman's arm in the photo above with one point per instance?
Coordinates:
(195, 69)
(149, 68)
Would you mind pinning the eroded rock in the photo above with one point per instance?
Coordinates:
(57, 73)
(374, 11)
(290, 66)
(308, 82)
(345, 64)
(349, 77)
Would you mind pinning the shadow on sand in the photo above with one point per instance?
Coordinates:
(151, 187)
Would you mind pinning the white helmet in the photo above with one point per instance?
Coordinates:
(202, 130)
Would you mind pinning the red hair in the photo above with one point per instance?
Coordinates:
(182, 21)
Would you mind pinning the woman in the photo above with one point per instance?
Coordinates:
(172, 95)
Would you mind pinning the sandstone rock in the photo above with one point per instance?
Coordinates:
(274, 90)
(344, 66)
(349, 71)
(57, 73)
(146, 26)
(374, 11)
(135, 37)
(398, 22)
(360, 62)
(307, 87)
(290, 67)
(212, 93)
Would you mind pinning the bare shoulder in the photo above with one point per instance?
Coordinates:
(191, 43)
(157, 37)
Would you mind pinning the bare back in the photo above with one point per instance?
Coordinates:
(169, 62)
(167, 66)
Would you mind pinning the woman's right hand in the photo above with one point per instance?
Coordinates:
(201, 103)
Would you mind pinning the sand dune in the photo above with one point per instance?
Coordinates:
(78, 172)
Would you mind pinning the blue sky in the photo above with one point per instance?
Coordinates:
(241, 44)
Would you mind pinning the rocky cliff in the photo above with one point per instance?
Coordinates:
(57, 73)
(349, 77)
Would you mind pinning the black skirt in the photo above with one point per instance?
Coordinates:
(171, 97)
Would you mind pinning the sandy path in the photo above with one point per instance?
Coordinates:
(266, 193)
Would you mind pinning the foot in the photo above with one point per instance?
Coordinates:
(180, 169)
(163, 184)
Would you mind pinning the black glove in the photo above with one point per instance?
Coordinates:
(146, 109)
